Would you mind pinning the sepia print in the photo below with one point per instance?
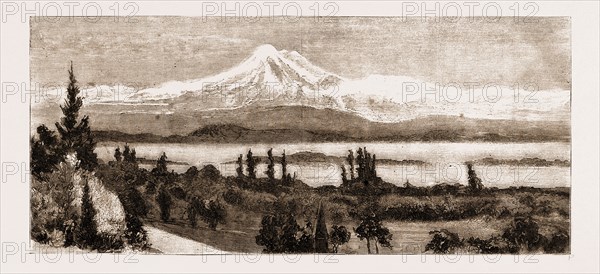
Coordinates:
(361, 135)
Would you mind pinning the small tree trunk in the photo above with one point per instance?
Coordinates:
(368, 245)
(376, 247)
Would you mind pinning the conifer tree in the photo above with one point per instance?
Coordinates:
(321, 233)
(270, 172)
(240, 167)
(373, 168)
(283, 167)
(164, 203)
(87, 232)
(350, 160)
(118, 154)
(76, 137)
(361, 164)
(344, 175)
(161, 165)
(250, 165)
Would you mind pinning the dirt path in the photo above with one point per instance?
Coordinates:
(168, 243)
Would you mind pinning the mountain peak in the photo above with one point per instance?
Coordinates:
(265, 50)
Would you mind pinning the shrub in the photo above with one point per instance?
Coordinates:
(524, 234)
(213, 214)
(444, 242)
(339, 235)
(164, 202)
(278, 234)
(558, 243)
(493, 245)
(371, 229)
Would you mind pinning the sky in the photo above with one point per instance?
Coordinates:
(154, 50)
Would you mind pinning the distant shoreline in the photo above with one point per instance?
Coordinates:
(301, 136)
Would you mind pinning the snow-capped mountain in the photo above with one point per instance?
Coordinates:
(266, 74)
(271, 77)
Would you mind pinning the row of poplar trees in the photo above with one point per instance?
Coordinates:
(251, 163)
(364, 164)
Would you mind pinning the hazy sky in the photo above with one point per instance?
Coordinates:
(154, 50)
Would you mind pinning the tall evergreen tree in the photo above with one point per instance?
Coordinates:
(321, 233)
(164, 203)
(250, 165)
(118, 154)
(240, 167)
(366, 165)
(270, 172)
(350, 160)
(361, 163)
(344, 175)
(76, 137)
(87, 231)
(126, 153)
(475, 184)
(283, 167)
(161, 165)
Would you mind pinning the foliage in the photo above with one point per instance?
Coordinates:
(45, 154)
(474, 182)
(339, 235)
(524, 234)
(284, 174)
(444, 242)
(87, 233)
(76, 136)
(164, 202)
(270, 172)
(240, 167)
(280, 233)
(371, 229)
(250, 165)
(161, 166)
(213, 213)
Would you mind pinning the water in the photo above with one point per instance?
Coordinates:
(445, 161)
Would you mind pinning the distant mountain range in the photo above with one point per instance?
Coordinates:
(279, 96)
(276, 125)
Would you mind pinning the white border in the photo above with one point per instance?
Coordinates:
(585, 180)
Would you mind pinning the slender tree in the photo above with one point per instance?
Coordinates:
(161, 165)
(321, 232)
(126, 153)
(474, 182)
(250, 165)
(360, 159)
(270, 172)
(373, 167)
(87, 232)
(344, 175)
(350, 160)
(118, 155)
(240, 167)
(164, 203)
(283, 167)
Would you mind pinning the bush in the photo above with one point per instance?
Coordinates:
(493, 245)
(444, 242)
(558, 243)
(56, 206)
(213, 214)
(524, 234)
